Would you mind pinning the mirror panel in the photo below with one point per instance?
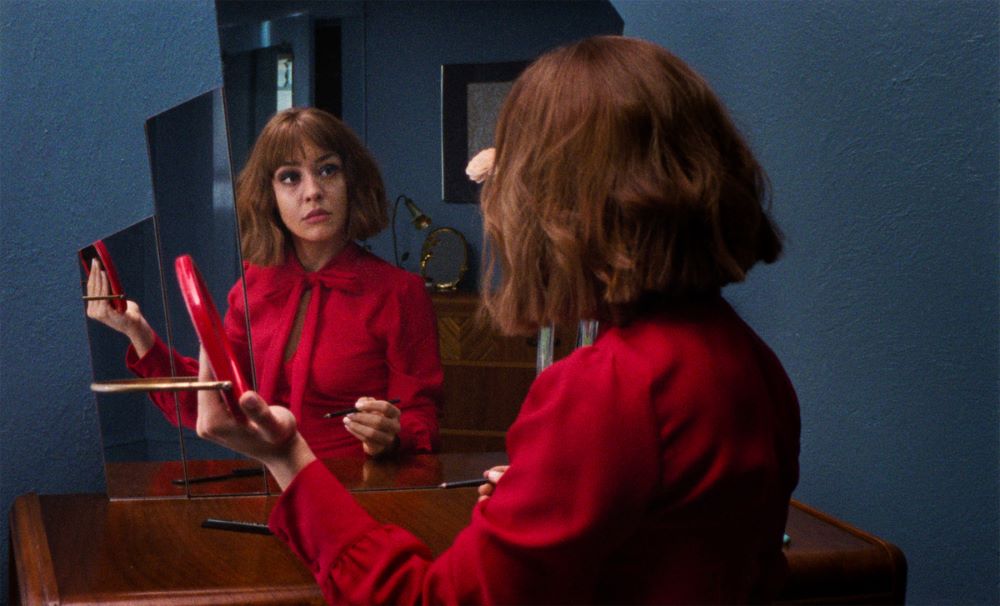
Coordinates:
(193, 194)
(135, 436)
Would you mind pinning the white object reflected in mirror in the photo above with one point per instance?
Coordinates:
(284, 84)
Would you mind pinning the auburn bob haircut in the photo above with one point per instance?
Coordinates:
(620, 185)
(264, 237)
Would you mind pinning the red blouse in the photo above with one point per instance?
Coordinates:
(655, 467)
(369, 330)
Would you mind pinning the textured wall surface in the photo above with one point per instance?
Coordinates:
(79, 81)
(877, 122)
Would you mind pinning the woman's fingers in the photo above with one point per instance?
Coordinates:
(265, 432)
(94, 282)
(273, 424)
(485, 490)
(493, 475)
(382, 407)
(96, 309)
(374, 441)
(376, 424)
(204, 368)
(101, 309)
(373, 421)
(213, 415)
(368, 433)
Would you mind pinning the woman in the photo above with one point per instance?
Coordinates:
(333, 326)
(654, 466)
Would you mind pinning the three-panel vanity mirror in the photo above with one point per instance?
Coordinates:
(274, 55)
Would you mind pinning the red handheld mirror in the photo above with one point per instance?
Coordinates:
(208, 325)
(98, 251)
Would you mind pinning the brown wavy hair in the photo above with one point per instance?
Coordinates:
(264, 237)
(620, 185)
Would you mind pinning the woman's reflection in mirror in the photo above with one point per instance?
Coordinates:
(332, 325)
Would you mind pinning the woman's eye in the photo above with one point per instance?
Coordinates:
(288, 177)
(329, 169)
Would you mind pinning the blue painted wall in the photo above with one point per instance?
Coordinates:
(79, 81)
(878, 124)
(877, 121)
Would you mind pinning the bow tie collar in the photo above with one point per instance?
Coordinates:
(332, 279)
(336, 275)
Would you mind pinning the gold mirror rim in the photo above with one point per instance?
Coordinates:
(427, 251)
(158, 384)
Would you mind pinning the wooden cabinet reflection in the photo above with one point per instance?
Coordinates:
(486, 376)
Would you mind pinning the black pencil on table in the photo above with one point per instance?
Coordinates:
(244, 472)
(347, 411)
(463, 483)
(236, 526)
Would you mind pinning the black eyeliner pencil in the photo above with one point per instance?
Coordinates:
(463, 483)
(236, 526)
(245, 472)
(347, 411)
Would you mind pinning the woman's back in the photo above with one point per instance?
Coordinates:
(654, 467)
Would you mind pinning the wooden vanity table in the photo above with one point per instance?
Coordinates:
(87, 549)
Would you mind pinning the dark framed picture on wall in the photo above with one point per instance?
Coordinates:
(471, 95)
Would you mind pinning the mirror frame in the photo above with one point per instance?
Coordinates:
(434, 241)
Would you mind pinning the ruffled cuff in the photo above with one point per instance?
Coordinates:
(318, 519)
(416, 438)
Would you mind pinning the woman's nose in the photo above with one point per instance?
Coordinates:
(311, 187)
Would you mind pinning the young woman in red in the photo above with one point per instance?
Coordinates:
(332, 325)
(654, 466)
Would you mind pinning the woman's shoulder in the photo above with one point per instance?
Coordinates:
(657, 345)
(379, 274)
(257, 273)
(260, 279)
(591, 374)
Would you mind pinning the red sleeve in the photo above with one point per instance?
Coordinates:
(562, 507)
(414, 364)
(235, 326)
(156, 363)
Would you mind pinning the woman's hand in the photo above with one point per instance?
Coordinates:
(268, 433)
(376, 424)
(493, 475)
(131, 323)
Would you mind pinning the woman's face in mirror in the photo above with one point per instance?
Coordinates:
(311, 193)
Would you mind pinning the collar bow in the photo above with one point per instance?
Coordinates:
(333, 280)
(283, 281)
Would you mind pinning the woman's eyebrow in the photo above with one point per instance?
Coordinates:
(328, 157)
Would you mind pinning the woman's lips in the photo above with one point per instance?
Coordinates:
(316, 216)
